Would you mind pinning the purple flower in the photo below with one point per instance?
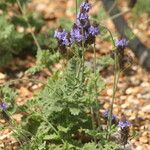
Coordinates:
(62, 37)
(60, 33)
(66, 41)
(82, 16)
(76, 34)
(3, 106)
(93, 30)
(83, 23)
(123, 123)
(82, 31)
(107, 113)
(85, 6)
(121, 43)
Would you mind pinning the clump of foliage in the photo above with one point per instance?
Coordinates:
(10, 40)
(13, 42)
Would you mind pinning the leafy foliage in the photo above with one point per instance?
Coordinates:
(10, 40)
(59, 116)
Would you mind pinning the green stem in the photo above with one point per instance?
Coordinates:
(93, 120)
(111, 36)
(83, 58)
(76, 8)
(48, 122)
(79, 69)
(29, 26)
(95, 87)
(116, 79)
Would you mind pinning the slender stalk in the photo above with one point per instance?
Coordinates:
(83, 58)
(95, 87)
(53, 128)
(32, 33)
(96, 99)
(116, 79)
(93, 120)
(113, 41)
(76, 8)
(80, 61)
(94, 49)
(79, 69)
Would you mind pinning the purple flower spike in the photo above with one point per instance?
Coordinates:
(124, 123)
(86, 6)
(82, 16)
(83, 23)
(62, 37)
(107, 113)
(82, 30)
(66, 41)
(3, 106)
(93, 30)
(122, 43)
(60, 33)
(76, 34)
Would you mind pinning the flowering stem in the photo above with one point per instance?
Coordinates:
(95, 87)
(93, 120)
(76, 8)
(83, 58)
(79, 69)
(116, 79)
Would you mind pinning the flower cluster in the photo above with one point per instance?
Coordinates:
(106, 115)
(123, 123)
(3, 106)
(82, 30)
(121, 43)
(85, 6)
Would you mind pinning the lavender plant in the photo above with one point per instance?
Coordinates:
(65, 113)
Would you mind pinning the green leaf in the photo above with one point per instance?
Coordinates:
(63, 129)
(51, 137)
(90, 146)
(74, 111)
